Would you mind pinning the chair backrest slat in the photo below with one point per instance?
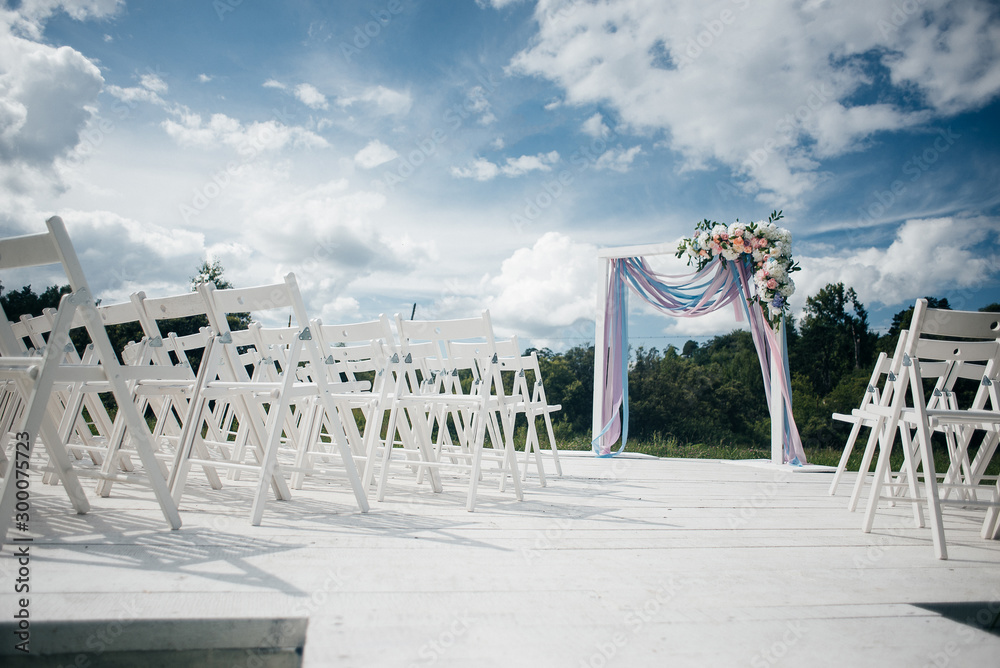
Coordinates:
(52, 247)
(176, 306)
(441, 330)
(262, 298)
(962, 351)
(961, 324)
(30, 250)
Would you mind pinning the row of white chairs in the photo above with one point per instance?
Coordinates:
(278, 403)
(912, 399)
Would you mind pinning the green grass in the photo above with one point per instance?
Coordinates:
(670, 447)
(659, 446)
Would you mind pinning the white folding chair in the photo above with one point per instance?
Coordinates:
(958, 339)
(532, 402)
(424, 410)
(880, 382)
(354, 354)
(35, 377)
(263, 403)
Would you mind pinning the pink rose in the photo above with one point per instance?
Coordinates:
(771, 284)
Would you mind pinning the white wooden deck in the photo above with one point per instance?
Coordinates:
(622, 562)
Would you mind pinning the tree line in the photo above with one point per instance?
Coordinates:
(25, 301)
(713, 393)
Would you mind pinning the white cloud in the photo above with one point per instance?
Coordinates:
(479, 169)
(618, 159)
(595, 127)
(529, 163)
(204, 78)
(716, 322)
(477, 103)
(248, 140)
(482, 169)
(274, 83)
(310, 96)
(766, 89)
(387, 101)
(954, 59)
(927, 256)
(121, 255)
(134, 94)
(496, 4)
(46, 98)
(153, 82)
(149, 89)
(374, 154)
(341, 309)
(30, 16)
(327, 234)
(544, 289)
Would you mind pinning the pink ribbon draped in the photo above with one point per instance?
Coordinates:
(713, 287)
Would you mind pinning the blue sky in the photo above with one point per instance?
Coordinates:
(469, 154)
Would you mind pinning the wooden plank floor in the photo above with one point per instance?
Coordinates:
(628, 562)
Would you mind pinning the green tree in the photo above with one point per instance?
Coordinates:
(731, 362)
(902, 319)
(569, 381)
(211, 271)
(834, 338)
(25, 302)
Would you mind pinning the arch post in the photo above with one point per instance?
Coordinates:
(777, 400)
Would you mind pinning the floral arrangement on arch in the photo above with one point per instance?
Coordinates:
(764, 245)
